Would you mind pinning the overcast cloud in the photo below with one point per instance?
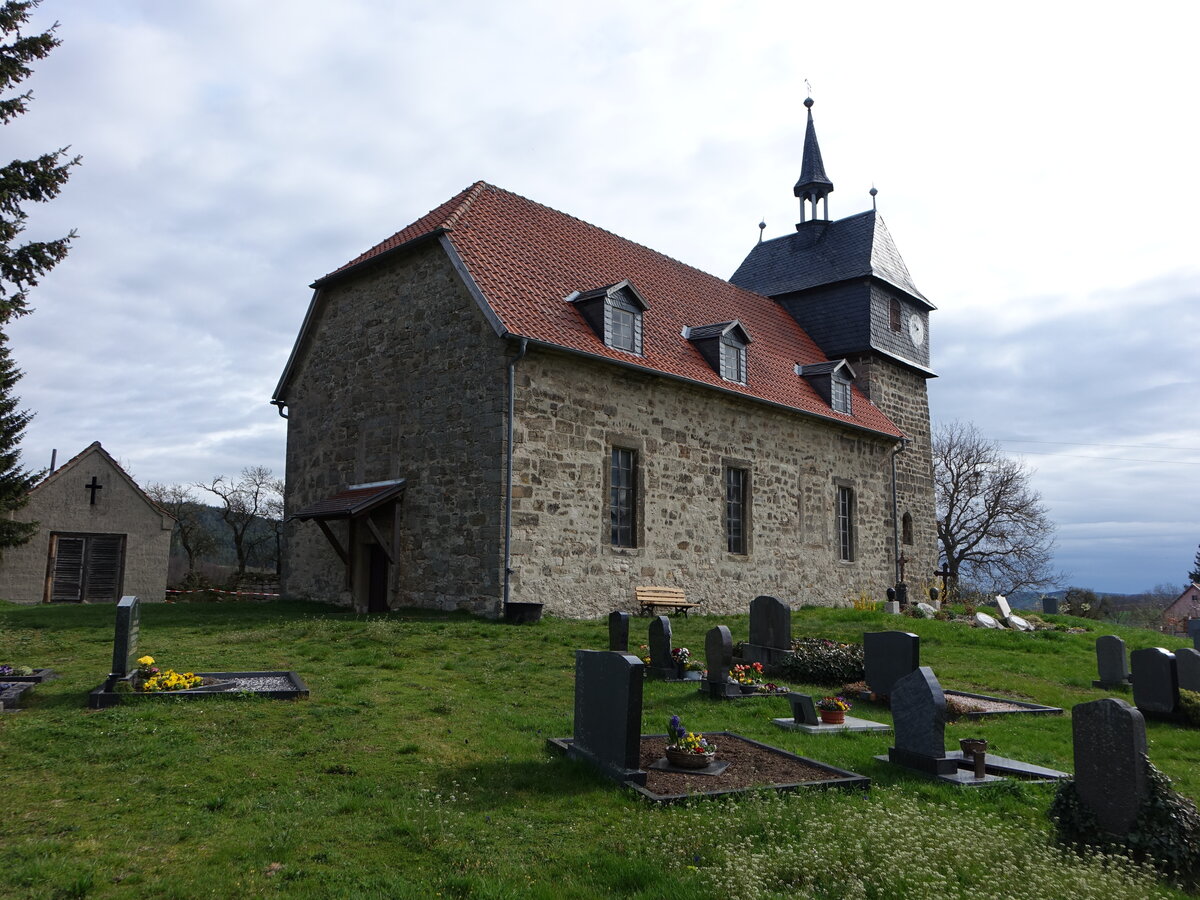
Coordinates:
(1035, 164)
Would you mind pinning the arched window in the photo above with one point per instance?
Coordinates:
(894, 314)
(906, 528)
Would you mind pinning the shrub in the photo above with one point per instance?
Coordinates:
(820, 661)
(1189, 707)
(1166, 832)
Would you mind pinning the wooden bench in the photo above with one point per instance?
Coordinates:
(668, 598)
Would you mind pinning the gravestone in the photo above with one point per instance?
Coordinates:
(718, 657)
(925, 611)
(983, 620)
(1112, 668)
(804, 710)
(1050, 606)
(1109, 738)
(919, 721)
(892, 607)
(770, 632)
(1002, 605)
(125, 640)
(1187, 668)
(887, 657)
(618, 631)
(662, 665)
(1018, 623)
(1193, 630)
(608, 713)
(1155, 681)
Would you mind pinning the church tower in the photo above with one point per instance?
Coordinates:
(846, 284)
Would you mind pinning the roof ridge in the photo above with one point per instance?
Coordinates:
(461, 210)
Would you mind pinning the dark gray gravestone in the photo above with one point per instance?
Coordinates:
(661, 663)
(919, 721)
(1111, 666)
(1110, 771)
(804, 711)
(1155, 681)
(1050, 606)
(889, 656)
(718, 657)
(770, 631)
(608, 712)
(1187, 667)
(125, 639)
(618, 631)
(1193, 630)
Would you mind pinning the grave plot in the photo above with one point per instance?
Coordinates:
(30, 676)
(725, 681)
(608, 715)
(1112, 666)
(124, 679)
(11, 693)
(889, 656)
(807, 718)
(919, 717)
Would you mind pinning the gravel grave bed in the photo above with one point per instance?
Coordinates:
(749, 766)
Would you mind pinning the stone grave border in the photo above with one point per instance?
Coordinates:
(102, 699)
(11, 693)
(998, 767)
(844, 779)
(38, 676)
(1027, 708)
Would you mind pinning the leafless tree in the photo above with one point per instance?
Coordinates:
(993, 529)
(190, 527)
(255, 496)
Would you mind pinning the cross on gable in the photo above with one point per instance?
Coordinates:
(93, 486)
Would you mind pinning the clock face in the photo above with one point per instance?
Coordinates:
(916, 330)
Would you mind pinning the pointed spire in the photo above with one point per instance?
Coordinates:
(814, 185)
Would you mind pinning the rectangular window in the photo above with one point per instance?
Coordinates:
(841, 395)
(736, 520)
(622, 500)
(733, 362)
(845, 523)
(622, 329)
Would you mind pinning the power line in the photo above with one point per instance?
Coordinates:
(1082, 444)
(1166, 462)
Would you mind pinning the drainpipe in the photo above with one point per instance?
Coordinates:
(512, 390)
(900, 448)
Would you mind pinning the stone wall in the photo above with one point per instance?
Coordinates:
(401, 377)
(62, 504)
(572, 411)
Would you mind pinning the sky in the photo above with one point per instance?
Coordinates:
(1034, 162)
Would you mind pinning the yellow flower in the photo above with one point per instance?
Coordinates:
(146, 661)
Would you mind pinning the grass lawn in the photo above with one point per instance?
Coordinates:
(418, 768)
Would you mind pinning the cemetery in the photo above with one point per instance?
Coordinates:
(421, 759)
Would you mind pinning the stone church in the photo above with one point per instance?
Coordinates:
(502, 403)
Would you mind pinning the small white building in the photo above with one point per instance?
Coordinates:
(100, 537)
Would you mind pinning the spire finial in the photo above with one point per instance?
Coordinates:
(873, 192)
(762, 226)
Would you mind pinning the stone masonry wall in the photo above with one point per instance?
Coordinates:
(572, 411)
(903, 395)
(62, 504)
(402, 377)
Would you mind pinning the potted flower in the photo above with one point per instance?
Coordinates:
(682, 657)
(749, 676)
(833, 709)
(687, 749)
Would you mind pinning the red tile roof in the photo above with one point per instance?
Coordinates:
(351, 503)
(525, 258)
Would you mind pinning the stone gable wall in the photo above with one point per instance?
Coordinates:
(63, 505)
(402, 378)
(571, 412)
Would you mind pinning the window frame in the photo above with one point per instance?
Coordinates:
(616, 306)
(841, 398)
(623, 498)
(844, 510)
(733, 360)
(737, 482)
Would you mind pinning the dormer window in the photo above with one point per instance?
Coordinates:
(614, 313)
(832, 381)
(723, 347)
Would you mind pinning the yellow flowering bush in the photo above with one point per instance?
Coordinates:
(170, 680)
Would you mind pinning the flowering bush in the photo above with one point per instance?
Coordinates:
(834, 704)
(679, 738)
(146, 667)
(152, 680)
(15, 670)
(680, 655)
(748, 674)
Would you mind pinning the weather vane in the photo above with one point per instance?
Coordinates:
(808, 86)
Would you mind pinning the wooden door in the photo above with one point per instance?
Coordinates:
(86, 568)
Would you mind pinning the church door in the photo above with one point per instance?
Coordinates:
(377, 580)
(86, 568)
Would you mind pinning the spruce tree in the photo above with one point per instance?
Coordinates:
(15, 482)
(1194, 575)
(25, 180)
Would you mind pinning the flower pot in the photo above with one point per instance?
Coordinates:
(749, 688)
(971, 746)
(685, 760)
(833, 716)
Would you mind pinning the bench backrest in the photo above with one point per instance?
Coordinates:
(660, 594)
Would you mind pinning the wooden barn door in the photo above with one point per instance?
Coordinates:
(86, 568)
